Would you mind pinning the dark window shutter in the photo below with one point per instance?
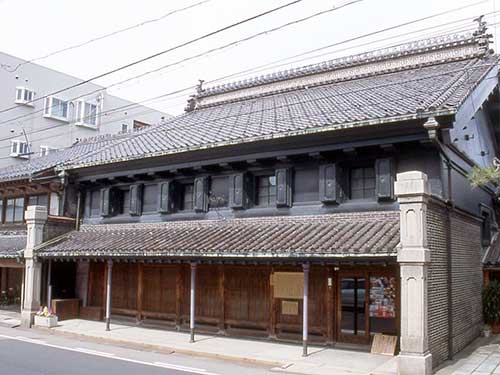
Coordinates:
(330, 183)
(201, 194)
(106, 202)
(165, 197)
(135, 197)
(238, 190)
(88, 198)
(384, 186)
(283, 187)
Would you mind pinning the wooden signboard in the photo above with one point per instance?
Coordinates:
(288, 285)
(384, 344)
(290, 307)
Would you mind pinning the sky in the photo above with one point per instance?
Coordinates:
(32, 28)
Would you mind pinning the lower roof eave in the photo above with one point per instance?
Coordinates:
(226, 258)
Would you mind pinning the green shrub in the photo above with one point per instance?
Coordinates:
(491, 303)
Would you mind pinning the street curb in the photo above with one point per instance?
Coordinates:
(161, 348)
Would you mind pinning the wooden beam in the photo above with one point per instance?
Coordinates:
(272, 306)
(140, 293)
(178, 297)
(222, 318)
(330, 313)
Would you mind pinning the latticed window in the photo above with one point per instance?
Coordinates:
(362, 183)
(265, 191)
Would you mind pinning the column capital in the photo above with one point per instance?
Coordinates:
(36, 215)
(411, 184)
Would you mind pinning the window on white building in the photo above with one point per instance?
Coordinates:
(19, 149)
(56, 108)
(44, 150)
(24, 96)
(86, 114)
(124, 128)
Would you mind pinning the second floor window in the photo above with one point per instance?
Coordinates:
(362, 183)
(86, 114)
(14, 210)
(19, 149)
(265, 191)
(187, 197)
(24, 96)
(149, 197)
(56, 108)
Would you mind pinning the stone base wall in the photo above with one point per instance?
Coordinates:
(463, 234)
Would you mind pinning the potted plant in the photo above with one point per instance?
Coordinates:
(45, 318)
(491, 305)
(486, 330)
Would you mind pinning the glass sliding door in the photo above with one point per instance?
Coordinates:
(353, 314)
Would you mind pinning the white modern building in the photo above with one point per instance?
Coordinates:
(33, 122)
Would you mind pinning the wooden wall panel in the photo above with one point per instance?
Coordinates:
(208, 303)
(247, 295)
(159, 289)
(96, 284)
(124, 286)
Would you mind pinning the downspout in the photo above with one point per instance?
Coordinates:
(432, 127)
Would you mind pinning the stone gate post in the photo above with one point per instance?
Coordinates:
(412, 191)
(36, 217)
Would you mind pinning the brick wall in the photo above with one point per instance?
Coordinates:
(466, 279)
(438, 283)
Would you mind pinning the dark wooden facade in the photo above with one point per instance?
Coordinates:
(234, 299)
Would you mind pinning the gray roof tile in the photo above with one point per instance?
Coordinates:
(333, 235)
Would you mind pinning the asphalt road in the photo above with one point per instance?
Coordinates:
(28, 352)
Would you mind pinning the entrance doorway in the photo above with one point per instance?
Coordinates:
(353, 295)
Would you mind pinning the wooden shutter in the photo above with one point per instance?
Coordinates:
(283, 187)
(106, 202)
(165, 197)
(201, 194)
(330, 183)
(239, 190)
(135, 197)
(384, 184)
(88, 198)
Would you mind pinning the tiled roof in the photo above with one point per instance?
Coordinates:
(11, 242)
(37, 164)
(413, 83)
(333, 235)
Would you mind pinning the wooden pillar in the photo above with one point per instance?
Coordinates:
(49, 284)
(329, 305)
(22, 290)
(108, 294)
(178, 298)
(272, 306)
(305, 312)
(140, 288)
(192, 301)
(222, 318)
(3, 280)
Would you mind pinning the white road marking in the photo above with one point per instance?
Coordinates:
(111, 356)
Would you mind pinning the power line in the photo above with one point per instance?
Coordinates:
(113, 33)
(132, 105)
(288, 105)
(178, 46)
(30, 115)
(362, 36)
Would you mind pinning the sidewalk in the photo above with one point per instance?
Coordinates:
(282, 357)
(481, 357)
(10, 318)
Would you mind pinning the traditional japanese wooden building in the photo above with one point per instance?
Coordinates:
(325, 203)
